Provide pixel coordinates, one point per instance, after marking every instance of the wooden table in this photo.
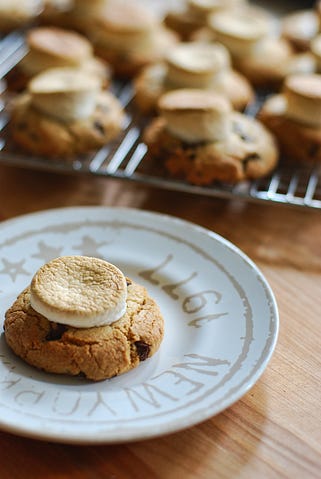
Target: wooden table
(275, 429)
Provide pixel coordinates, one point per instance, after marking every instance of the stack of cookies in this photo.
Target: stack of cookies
(224, 50)
(233, 148)
(63, 106)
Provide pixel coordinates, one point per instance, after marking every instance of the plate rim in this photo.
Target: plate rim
(171, 427)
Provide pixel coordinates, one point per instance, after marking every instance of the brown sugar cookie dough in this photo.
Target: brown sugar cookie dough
(199, 138)
(97, 352)
(294, 117)
(63, 114)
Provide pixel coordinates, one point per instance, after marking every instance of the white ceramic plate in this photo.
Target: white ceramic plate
(221, 326)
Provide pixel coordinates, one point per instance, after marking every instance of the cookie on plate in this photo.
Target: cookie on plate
(294, 117)
(192, 65)
(199, 138)
(64, 113)
(129, 36)
(81, 316)
(53, 47)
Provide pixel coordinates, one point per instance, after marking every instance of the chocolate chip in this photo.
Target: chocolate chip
(142, 350)
(56, 331)
(34, 136)
(191, 155)
(313, 150)
(128, 282)
(100, 127)
(248, 158)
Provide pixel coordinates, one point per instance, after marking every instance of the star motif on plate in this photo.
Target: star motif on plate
(89, 247)
(46, 253)
(13, 269)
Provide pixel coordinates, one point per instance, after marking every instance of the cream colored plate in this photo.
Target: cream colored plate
(221, 326)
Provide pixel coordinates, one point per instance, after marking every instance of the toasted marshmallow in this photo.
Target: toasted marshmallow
(273, 56)
(300, 27)
(300, 63)
(65, 93)
(196, 115)
(79, 291)
(23, 8)
(51, 47)
(98, 68)
(201, 8)
(195, 65)
(125, 26)
(239, 32)
(303, 99)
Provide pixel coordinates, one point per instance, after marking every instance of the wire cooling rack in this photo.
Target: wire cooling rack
(126, 158)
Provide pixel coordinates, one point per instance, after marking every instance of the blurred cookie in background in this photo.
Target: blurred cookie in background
(192, 65)
(51, 47)
(256, 49)
(294, 117)
(199, 138)
(130, 36)
(64, 112)
(18, 13)
(188, 17)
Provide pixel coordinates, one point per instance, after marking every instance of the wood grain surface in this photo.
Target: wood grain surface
(274, 431)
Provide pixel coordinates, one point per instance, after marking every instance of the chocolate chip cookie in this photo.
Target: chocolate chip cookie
(44, 135)
(96, 353)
